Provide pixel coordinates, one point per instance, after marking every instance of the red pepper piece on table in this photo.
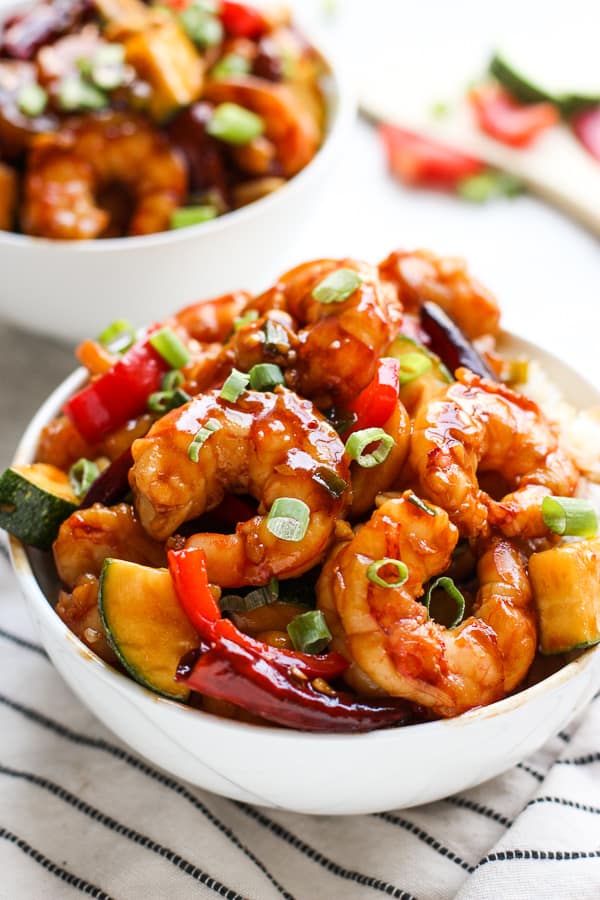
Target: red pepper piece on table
(190, 579)
(507, 120)
(229, 671)
(121, 394)
(420, 161)
(586, 126)
(240, 20)
(376, 403)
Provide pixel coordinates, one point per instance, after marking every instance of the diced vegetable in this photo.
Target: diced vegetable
(533, 73)
(420, 161)
(566, 588)
(34, 501)
(507, 120)
(145, 624)
(449, 342)
(376, 403)
(241, 20)
(586, 126)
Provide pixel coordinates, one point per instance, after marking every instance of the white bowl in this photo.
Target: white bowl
(339, 774)
(73, 289)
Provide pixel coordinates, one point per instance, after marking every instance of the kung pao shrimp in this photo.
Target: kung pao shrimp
(121, 117)
(329, 506)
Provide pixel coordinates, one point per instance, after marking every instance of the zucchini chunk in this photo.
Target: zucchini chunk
(145, 624)
(533, 74)
(34, 501)
(566, 589)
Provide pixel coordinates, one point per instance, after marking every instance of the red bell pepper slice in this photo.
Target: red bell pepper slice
(376, 403)
(241, 20)
(189, 573)
(507, 120)
(421, 161)
(119, 395)
(232, 672)
(586, 126)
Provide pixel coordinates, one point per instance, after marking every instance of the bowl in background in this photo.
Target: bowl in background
(340, 774)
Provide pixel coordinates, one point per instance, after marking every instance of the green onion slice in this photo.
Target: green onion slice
(170, 347)
(337, 286)
(489, 185)
(413, 365)
(420, 504)
(192, 215)
(201, 436)
(265, 376)
(172, 380)
(330, 480)
(248, 317)
(309, 632)
(358, 442)
(235, 384)
(570, 516)
(375, 567)
(81, 476)
(447, 585)
(231, 64)
(32, 99)
(165, 401)
(203, 28)
(288, 519)
(275, 337)
(234, 124)
(118, 336)
(261, 596)
(76, 94)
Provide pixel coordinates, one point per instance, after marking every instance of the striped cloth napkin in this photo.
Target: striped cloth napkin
(81, 814)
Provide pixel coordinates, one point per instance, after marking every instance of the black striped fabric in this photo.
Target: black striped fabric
(81, 814)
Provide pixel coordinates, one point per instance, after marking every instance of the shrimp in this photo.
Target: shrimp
(476, 424)
(91, 535)
(211, 321)
(270, 445)
(289, 124)
(389, 634)
(68, 172)
(335, 351)
(421, 275)
(368, 482)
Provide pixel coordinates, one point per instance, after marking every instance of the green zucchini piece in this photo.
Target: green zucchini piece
(34, 500)
(566, 588)
(538, 79)
(145, 624)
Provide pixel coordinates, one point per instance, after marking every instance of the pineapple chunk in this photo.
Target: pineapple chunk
(566, 588)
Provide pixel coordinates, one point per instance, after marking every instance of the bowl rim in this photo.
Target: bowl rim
(124, 683)
(340, 104)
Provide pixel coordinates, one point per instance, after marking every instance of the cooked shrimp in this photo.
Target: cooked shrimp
(289, 124)
(210, 321)
(66, 173)
(268, 445)
(389, 633)
(338, 344)
(91, 535)
(481, 425)
(368, 482)
(420, 275)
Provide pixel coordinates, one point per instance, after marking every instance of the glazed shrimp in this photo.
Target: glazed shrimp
(367, 483)
(211, 321)
(289, 124)
(481, 425)
(389, 634)
(337, 345)
(421, 275)
(268, 445)
(67, 171)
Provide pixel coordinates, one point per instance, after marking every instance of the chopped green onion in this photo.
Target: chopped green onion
(82, 474)
(447, 585)
(32, 99)
(203, 28)
(330, 480)
(570, 516)
(165, 401)
(262, 596)
(375, 567)
(413, 365)
(358, 442)
(265, 376)
(118, 336)
(275, 337)
(170, 347)
(192, 215)
(439, 109)
(337, 286)
(201, 436)
(76, 94)
(172, 380)
(420, 504)
(309, 632)
(232, 64)
(489, 185)
(235, 384)
(288, 519)
(248, 317)
(234, 124)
